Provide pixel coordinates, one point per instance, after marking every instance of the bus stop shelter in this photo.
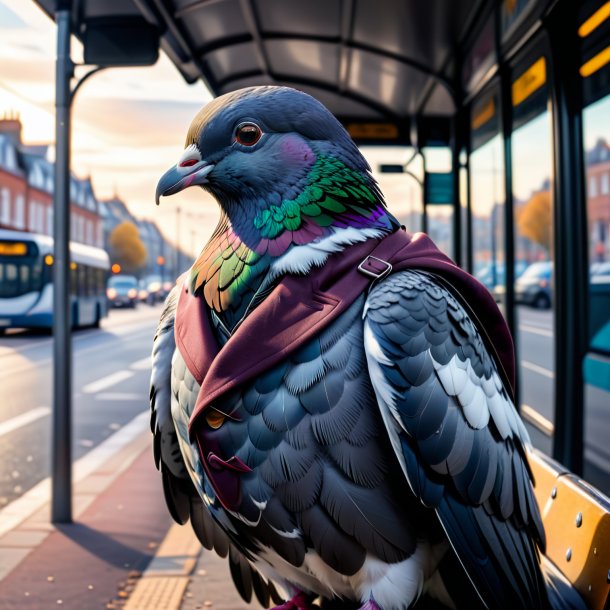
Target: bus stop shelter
(395, 72)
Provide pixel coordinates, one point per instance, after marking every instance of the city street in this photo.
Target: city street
(110, 381)
(111, 374)
(536, 348)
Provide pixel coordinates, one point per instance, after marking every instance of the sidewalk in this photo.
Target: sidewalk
(122, 551)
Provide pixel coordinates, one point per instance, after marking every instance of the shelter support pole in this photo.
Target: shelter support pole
(570, 231)
(61, 443)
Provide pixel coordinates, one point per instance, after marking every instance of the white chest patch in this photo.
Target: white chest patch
(393, 586)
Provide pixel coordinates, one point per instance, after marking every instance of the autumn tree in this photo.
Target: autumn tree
(535, 220)
(127, 248)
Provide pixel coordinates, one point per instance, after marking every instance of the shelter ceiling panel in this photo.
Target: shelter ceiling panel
(235, 59)
(439, 102)
(341, 105)
(318, 17)
(425, 32)
(249, 81)
(304, 59)
(386, 81)
(105, 8)
(210, 22)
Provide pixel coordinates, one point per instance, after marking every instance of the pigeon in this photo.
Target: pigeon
(331, 397)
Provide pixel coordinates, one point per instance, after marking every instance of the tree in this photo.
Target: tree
(535, 220)
(127, 248)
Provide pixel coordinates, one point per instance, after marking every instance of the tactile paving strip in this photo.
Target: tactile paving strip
(158, 593)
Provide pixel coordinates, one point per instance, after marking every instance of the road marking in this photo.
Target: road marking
(106, 382)
(23, 419)
(121, 396)
(105, 339)
(536, 330)
(537, 369)
(141, 365)
(26, 505)
(538, 421)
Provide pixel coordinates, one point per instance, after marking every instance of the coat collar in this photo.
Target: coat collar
(299, 307)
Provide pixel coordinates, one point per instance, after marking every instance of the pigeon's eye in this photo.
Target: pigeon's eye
(248, 134)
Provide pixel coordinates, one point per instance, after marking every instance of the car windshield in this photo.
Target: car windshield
(537, 270)
(122, 282)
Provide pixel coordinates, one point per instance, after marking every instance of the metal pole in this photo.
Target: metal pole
(570, 231)
(61, 444)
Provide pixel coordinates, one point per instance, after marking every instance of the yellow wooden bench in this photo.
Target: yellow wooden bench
(577, 521)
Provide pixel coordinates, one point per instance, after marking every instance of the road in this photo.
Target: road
(536, 344)
(111, 374)
(110, 384)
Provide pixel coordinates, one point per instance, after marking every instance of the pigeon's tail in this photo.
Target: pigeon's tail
(562, 595)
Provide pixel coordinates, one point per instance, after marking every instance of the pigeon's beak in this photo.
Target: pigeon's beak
(182, 176)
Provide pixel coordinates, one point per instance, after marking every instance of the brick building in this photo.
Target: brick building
(27, 185)
(598, 200)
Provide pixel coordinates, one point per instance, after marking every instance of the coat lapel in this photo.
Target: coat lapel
(300, 306)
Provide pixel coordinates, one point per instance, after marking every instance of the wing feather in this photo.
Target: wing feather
(456, 433)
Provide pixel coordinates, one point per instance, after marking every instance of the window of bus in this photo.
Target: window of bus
(594, 32)
(533, 211)
(487, 194)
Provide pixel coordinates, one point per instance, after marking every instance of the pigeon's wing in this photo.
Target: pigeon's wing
(456, 433)
(182, 499)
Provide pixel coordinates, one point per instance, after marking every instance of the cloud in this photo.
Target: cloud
(136, 122)
(38, 72)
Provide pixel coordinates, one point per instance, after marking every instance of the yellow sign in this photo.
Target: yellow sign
(529, 82)
(484, 114)
(596, 19)
(372, 131)
(595, 63)
(13, 248)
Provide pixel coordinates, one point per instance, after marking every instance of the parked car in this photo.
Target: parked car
(154, 286)
(143, 294)
(534, 287)
(600, 273)
(122, 291)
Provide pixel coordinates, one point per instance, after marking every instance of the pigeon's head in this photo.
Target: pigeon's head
(281, 166)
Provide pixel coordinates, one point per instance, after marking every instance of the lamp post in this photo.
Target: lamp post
(61, 450)
(161, 263)
(100, 53)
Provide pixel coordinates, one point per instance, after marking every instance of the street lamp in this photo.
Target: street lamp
(161, 263)
(105, 45)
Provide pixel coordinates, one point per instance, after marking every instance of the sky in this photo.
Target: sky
(128, 125)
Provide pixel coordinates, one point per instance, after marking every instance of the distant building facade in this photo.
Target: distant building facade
(27, 182)
(598, 200)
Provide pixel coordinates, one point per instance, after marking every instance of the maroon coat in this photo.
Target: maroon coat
(299, 307)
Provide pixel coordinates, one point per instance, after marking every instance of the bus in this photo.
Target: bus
(26, 282)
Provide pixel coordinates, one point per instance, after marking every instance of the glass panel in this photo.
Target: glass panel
(440, 227)
(596, 123)
(402, 191)
(464, 216)
(533, 220)
(487, 209)
(440, 216)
